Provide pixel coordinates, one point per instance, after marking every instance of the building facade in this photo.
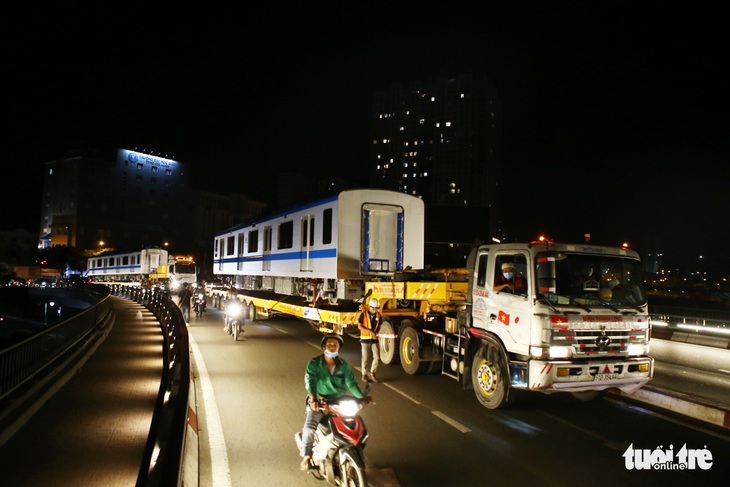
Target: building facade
(126, 200)
(440, 139)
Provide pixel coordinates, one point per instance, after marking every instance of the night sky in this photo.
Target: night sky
(615, 113)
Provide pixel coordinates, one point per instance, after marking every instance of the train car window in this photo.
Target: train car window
(230, 246)
(125, 260)
(286, 235)
(241, 247)
(327, 226)
(253, 241)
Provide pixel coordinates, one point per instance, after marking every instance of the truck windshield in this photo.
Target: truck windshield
(592, 280)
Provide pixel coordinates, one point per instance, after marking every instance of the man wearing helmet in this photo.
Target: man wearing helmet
(327, 375)
(369, 324)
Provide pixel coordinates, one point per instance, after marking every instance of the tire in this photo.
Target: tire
(235, 327)
(353, 475)
(410, 350)
(490, 375)
(388, 346)
(587, 396)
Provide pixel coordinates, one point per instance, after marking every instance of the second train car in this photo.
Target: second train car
(325, 249)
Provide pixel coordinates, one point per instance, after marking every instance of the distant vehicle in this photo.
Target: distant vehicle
(44, 282)
(181, 269)
(126, 267)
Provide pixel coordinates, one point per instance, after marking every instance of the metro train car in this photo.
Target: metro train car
(126, 266)
(325, 249)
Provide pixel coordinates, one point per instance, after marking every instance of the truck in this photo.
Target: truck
(577, 322)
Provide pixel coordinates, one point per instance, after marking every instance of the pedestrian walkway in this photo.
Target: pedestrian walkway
(94, 429)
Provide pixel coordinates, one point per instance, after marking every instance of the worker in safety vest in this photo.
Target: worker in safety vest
(369, 324)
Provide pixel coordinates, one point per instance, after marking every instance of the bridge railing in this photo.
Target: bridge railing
(163, 461)
(30, 363)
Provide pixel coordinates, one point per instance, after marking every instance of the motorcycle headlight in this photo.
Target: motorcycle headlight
(234, 310)
(347, 407)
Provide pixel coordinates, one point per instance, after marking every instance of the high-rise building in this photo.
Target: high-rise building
(439, 139)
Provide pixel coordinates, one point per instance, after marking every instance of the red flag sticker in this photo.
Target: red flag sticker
(503, 318)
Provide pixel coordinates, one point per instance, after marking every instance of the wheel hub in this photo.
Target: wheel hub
(486, 378)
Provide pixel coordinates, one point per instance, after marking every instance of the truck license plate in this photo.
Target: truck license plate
(605, 376)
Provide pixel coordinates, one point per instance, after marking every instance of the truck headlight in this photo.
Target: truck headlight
(551, 352)
(637, 349)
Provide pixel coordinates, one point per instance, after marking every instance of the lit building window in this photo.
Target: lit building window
(448, 124)
(438, 124)
(462, 95)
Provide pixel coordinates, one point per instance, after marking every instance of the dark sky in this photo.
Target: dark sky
(615, 113)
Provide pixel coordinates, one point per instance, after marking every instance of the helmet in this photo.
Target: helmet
(374, 303)
(331, 335)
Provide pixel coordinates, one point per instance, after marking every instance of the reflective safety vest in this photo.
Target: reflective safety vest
(371, 322)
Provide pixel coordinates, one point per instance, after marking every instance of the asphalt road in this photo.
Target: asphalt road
(424, 430)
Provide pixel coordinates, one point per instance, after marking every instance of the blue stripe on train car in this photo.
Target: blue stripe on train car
(117, 268)
(314, 254)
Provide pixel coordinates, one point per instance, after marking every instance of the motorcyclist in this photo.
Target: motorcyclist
(199, 300)
(327, 376)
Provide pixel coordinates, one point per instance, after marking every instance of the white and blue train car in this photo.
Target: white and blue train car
(126, 266)
(327, 248)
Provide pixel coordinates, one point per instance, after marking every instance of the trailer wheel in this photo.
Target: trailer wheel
(410, 351)
(388, 346)
(490, 375)
(250, 313)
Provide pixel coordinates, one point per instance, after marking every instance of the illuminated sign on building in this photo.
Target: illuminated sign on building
(142, 158)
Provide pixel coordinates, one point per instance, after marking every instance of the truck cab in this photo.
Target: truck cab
(572, 318)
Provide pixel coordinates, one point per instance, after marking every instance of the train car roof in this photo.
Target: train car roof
(301, 205)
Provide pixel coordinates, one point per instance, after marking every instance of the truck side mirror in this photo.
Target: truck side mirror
(546, 278)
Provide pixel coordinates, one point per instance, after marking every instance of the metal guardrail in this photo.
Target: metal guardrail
(162, 462)
(702, 321)
(22, 363)
(28, 367)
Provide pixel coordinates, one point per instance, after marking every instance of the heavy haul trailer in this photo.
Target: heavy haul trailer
(579, 323)
(264, 304)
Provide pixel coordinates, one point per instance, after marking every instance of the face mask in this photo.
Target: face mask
(331, 354)
(508, 275)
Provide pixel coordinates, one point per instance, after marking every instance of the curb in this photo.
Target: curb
(676, 402)
(692, 338)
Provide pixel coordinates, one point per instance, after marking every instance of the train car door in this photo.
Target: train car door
(382, 238)
(307, 233)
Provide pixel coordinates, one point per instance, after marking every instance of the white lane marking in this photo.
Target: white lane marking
(402, 393)
(221, 471)
(451, 422)
(725, 371)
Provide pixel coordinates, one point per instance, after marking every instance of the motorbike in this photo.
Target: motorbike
(234, 319)
(199, 304)
(339, 440)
